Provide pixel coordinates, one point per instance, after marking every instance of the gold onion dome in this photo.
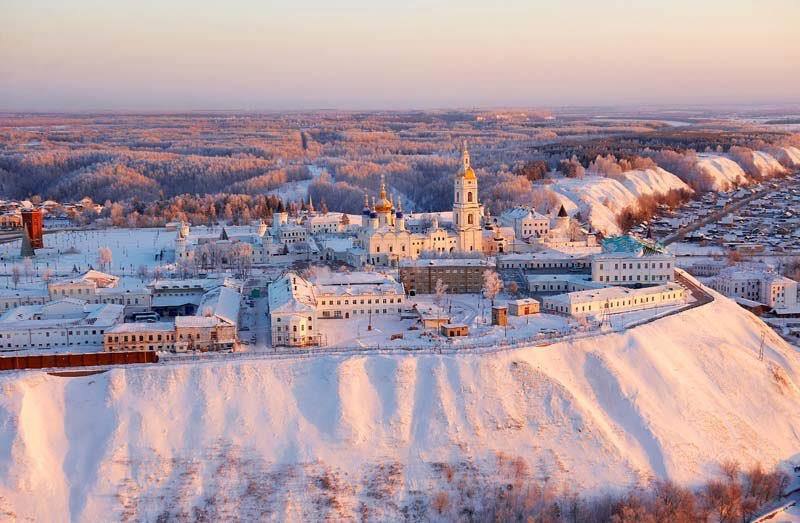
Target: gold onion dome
(466, 169)
(383, 205)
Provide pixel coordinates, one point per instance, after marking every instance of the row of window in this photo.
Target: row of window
(639, 277)
(46, 345)
(639, 265)
(356, 302)
(133, 337)
(47, 333)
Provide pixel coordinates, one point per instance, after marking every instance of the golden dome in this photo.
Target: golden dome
(466, 169)
(383, 205)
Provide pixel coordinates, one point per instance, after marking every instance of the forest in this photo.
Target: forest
(203, 167)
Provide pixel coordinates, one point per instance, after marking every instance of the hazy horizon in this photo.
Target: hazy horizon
(182, 56)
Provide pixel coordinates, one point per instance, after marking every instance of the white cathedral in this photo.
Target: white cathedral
(385, 237)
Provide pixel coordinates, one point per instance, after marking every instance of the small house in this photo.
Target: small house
(453, 330)
(524, 307)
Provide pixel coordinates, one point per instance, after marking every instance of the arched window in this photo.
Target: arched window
(456, 197)
(469, 197)
(469, 218)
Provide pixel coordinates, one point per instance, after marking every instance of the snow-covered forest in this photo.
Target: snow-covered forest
(205, 167)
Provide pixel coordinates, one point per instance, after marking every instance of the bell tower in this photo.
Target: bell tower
(466, 209)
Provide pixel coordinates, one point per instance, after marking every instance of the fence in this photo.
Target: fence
(89, 359)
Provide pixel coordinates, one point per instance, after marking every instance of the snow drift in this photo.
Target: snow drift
(334, 436)
(600, 199)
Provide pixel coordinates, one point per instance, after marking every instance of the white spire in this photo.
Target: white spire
(465, 156)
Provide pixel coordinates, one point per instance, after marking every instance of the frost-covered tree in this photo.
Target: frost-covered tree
(439, 291)
(104, 258)
(492, 285)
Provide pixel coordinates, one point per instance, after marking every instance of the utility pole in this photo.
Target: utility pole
(761, 347)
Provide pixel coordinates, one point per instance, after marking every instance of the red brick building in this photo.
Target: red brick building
(32, 221)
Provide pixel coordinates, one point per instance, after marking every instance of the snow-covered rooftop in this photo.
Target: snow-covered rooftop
(611, 293)
(444, 262)
(159, 326)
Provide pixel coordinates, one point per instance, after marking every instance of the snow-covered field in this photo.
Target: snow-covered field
(335, 436)
(600, 199)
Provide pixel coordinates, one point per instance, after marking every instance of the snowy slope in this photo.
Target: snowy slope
(792, 154)
(312, 438)
(723, 171)
(600, 199)
(767, 165)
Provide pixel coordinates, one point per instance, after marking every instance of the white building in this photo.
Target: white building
(611, 300)
(351, 295)
(182, 297)
(628, 261)
(526, 222)
(67, 323)
(546, 261)
(12, 298)
(297, 305)
(222, 250)
(99, 287)
(293, 312)
(758, 284)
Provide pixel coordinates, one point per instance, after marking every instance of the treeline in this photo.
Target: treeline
(238, 209)
(647, 206)
(150, 158)
(123, 175)
(736, 495)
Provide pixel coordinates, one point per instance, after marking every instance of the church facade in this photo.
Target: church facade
(385, 238)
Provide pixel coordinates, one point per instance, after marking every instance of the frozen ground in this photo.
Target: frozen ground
(339, 437)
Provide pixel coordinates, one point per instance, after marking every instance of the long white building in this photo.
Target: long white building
(628, 261)
(67, 323)
(612, 300)
(98, 287)
(759, 284)
(297, 305)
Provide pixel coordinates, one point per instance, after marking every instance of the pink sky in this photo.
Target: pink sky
(182, 55)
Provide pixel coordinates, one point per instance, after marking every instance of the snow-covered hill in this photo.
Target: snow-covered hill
(790, 154)
(340, 436)
(767, 165)
(722, 172)
(600, 199)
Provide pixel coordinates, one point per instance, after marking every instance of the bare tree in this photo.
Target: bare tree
(27, 267)
(185, 268)
(15, 275)
(512, 288)
(142, 272)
